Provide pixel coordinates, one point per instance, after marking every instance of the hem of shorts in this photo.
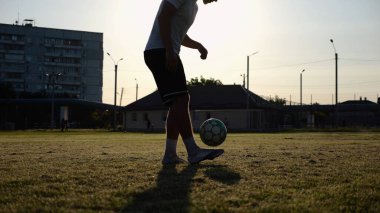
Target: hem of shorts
(176, 93)
(167, 102)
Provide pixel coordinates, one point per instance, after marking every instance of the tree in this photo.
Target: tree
(202, 81)
(277, 100)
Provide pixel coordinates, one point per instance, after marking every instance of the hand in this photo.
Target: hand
(203, 51)
(171, 61)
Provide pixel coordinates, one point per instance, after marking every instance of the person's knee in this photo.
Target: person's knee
(185, 99)
(181, 101)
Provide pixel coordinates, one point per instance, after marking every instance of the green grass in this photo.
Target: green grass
(121, 172)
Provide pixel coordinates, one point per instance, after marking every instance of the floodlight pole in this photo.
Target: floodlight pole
(336, 117)
(114, 105)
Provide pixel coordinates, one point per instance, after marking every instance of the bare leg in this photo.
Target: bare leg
(182, 116)
(172, 134)
(179, 123)
(180, 111)
(172, 131)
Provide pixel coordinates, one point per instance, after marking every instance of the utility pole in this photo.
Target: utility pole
(137, 89)
(121, 96)
(243, 75)
(311, 99)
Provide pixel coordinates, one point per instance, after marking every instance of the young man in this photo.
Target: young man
(161, 55)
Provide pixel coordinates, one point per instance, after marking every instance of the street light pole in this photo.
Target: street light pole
(248, 114)
(301, 86)
(248, 68)
(336, 117)
(52, 79)
(114, 105)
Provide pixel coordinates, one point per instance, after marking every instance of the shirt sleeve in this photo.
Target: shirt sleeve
(176, 3)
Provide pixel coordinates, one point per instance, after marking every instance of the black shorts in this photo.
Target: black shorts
(169, 84)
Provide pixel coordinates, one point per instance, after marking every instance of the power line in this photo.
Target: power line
(294, 65)
(321, 85)
(362, 60)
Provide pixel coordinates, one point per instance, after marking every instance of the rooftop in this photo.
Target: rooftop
(206, 97)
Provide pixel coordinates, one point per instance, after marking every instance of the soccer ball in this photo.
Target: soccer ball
(213, 132)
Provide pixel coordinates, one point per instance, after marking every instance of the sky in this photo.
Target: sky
(289, 36)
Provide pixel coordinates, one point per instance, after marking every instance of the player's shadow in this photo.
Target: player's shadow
(222, 174)
(170, 195)
(172, 192)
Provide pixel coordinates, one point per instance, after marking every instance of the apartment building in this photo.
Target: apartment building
(35, 59)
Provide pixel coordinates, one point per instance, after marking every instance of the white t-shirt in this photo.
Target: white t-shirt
(180, 24)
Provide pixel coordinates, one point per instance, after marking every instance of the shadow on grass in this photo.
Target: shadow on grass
(172, 193)
(223, 174)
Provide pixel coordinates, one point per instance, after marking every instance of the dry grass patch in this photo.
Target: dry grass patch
(113, 172)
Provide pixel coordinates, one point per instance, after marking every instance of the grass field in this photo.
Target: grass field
(121, 172)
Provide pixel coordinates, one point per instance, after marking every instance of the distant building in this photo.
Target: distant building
(229, 104)
(21, 114)
(30, 57)
(238, 108)
(352, 113)
(359, 113)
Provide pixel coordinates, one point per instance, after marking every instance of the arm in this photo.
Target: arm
(190, 43)
(164, 19)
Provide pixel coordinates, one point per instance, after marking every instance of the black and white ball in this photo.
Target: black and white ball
(213, 132)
